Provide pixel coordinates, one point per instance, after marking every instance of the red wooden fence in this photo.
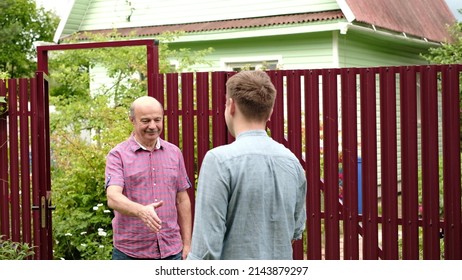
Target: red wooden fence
(388, 117)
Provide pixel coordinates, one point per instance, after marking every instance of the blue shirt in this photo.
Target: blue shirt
(250, 201)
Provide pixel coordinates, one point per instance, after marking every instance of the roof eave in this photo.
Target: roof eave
(392, 35)
(258, 32)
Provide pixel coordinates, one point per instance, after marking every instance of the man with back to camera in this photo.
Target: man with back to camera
(250, 201)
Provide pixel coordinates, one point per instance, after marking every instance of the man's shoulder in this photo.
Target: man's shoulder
(168, 145)
(222, 150)
(124, 145)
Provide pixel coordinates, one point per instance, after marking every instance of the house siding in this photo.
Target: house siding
(359, 50)
(295, 51)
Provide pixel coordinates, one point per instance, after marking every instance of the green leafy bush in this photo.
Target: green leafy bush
(10, 250)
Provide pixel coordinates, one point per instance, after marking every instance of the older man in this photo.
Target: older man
(146, 185)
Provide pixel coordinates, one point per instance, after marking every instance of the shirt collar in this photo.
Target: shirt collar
(136, 145)
(259, 132)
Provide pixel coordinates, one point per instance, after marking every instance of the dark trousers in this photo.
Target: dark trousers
(119, 255)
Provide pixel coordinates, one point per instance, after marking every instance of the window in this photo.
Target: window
(255, 63)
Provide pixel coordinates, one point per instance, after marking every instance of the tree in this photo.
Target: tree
(450, 53)
(22, 24)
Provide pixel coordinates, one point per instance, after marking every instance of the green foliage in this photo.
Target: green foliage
(126, 66)
(4, 75)
(440, 187)
(10, 250)
(84, 127)
(3, 103)
(82, 133)
(450, 53)
(22, 24)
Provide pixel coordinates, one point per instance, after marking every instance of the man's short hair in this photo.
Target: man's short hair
(253, 92)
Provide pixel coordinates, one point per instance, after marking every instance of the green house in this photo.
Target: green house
(282, 34)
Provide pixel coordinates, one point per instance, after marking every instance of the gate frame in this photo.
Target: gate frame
(41, 132)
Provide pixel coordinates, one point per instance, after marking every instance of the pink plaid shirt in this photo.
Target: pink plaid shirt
(146, 177)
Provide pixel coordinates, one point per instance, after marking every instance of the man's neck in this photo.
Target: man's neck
(147, 146)
(243, 127)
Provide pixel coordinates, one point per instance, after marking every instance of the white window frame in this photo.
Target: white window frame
(226, 64)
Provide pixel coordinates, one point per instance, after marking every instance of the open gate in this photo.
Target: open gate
(25, 209)
(25, 183)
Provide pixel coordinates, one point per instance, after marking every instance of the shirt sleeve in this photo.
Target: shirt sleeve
(183, 179)
(211, 210)
(300, 214)
(114, 170)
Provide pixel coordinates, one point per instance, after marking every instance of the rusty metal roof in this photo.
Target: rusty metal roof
(421, 18)
(227, 24)
(425, 19)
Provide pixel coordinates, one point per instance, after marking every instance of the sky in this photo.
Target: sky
(59, 6)
(455, 5)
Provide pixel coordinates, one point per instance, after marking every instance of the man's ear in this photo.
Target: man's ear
(232, 106)
(270, 114)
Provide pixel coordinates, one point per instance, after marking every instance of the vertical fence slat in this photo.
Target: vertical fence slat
(42, 169)
(14, 162)
(430, 180)
(187, 105)
(295, 133)
(203, 122)
(4, 181)
(160, 95)
(294, 112)
(218, 108)
(172, 113)
(389, 162)
(369, 163)
(159, 89)
(349, 164)
(154, 84)
(331, 190)
(312, 165)
(276, 123)
(25, 157)
(203, 117)
(47, 171)
(35, 169)
(409, 163)
(451, 163)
